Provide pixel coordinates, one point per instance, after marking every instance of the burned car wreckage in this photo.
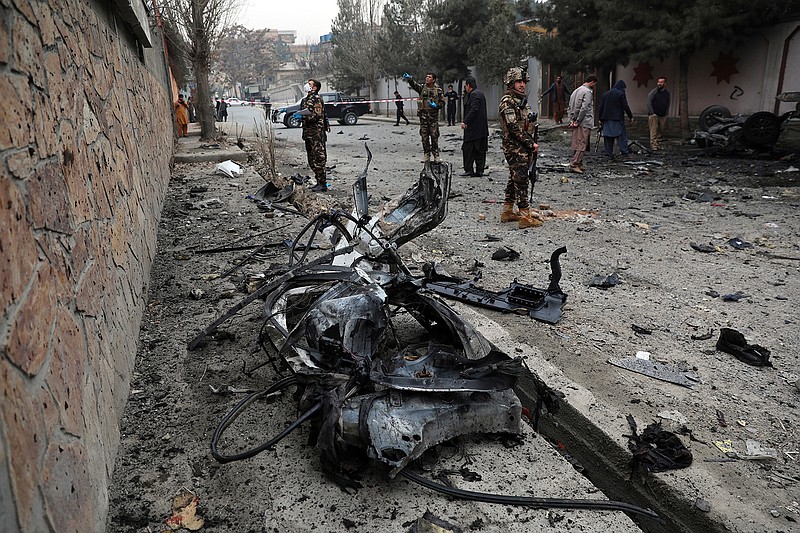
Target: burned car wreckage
(720, 131)
(382, 367)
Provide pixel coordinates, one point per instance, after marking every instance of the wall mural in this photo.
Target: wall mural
(644, 73)
(724, 67)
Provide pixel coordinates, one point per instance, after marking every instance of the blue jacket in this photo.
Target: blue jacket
(553, 92)
(614, 105)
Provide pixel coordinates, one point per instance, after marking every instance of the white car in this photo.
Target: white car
(236, 101)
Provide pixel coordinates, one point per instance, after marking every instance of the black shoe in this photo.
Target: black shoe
(397, 124)
(466, 174)
(734, 343)
(319, 187)
(477, 175)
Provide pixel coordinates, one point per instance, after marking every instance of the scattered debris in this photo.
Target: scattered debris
(739, 244)
(657, 450)
(640, 330)
(229, 168)
(705, 248)
(504, 253)
(541, 304)
(604, 282)
(429, 523)
(733, 342)
(677, 421)
(653, 369)
(726, 447)
(702, 505)
(196, 294)
(757, 452)
(700, 196)
(733, 296)
(704, 336)
(184, 512)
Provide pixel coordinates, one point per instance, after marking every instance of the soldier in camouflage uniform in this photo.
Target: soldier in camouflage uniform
(315, 128)
(431, 100)
(517, 123)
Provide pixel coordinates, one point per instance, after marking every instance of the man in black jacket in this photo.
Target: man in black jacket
(613, 108)
(657, 109)
(476, 130)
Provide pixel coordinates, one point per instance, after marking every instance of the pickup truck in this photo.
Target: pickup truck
(345, 109)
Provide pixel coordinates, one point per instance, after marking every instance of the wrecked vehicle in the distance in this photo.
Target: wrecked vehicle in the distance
(720, 131)
(383, 368)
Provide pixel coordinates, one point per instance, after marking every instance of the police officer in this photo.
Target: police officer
(315, 128)
(517, 123)
(431, 100)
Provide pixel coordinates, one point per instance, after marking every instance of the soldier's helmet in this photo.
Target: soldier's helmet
(516, 74)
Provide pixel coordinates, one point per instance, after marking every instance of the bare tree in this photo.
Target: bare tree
(355, 44)
(202, 23)
(245, 56)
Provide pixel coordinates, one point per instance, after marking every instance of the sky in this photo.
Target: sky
(309, 18)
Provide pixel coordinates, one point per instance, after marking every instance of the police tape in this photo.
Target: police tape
(386, 100)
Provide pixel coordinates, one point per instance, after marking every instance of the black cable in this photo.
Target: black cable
(234, 413)
(527, 501)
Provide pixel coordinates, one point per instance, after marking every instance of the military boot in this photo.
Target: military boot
(508, 214)
(321, 185)
(436, 158)
(427, 158)
(529, 218)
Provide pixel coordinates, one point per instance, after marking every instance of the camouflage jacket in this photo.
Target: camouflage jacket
(316, 122)
(516, 125)
(427, 95)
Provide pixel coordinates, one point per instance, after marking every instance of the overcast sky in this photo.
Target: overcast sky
(309, 18)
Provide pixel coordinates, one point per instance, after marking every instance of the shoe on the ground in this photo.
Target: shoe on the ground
(319, 187)
(508, 214)
(477, 174)
(734, 343)
(529, 218)
(576, 170)
(467, 174)
(397, 124)
(426, 158)
(437, 159)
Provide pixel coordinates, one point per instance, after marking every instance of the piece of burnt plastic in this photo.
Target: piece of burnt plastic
(540, 304)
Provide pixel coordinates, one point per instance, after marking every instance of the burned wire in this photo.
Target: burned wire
(527, 501)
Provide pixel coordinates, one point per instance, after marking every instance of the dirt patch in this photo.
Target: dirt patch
(636, 219)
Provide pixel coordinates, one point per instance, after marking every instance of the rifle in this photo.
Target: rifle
(599, 134)
(532, 173)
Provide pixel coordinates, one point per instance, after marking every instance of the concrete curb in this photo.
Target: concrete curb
(189, 149)
(596, 438)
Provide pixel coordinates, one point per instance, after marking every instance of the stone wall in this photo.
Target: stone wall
(86, 140)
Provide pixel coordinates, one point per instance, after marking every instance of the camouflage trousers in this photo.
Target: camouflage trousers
(517, 186)
(317, 156)
(429, 131)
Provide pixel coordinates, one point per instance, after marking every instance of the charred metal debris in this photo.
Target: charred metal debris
(383, 369)
(722, 132)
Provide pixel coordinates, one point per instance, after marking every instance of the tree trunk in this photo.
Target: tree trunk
(205, 106)
(200, 55)
(683, 93)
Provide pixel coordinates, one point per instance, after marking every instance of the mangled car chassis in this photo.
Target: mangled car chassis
(379, 363)
(720, 131)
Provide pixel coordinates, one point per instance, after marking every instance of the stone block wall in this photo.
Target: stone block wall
(86, 141)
